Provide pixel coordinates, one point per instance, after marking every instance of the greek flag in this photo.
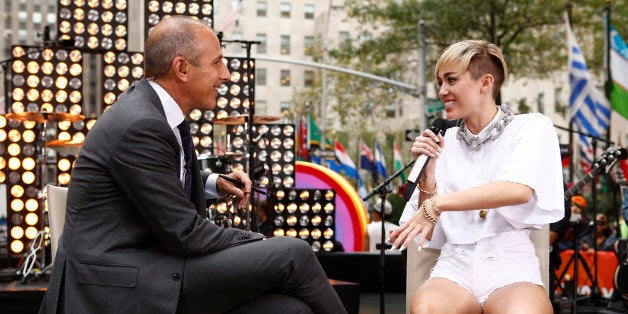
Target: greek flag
(588, 108)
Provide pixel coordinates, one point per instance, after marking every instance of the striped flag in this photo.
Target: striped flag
(619, 73)
(346, 164)
(380, 161)
(588, 108)
(367, 161)
(397, 162)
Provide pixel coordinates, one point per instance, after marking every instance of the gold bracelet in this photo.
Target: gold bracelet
(426, 192)
(434, 207)
(427, 215)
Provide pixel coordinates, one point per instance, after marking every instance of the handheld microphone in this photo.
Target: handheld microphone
(439, 125)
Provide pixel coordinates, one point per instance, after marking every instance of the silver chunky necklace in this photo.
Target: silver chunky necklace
(474, 143)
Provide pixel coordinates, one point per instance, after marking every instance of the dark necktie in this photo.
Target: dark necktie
(188, 150)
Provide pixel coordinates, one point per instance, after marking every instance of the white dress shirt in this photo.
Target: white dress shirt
(175, 116)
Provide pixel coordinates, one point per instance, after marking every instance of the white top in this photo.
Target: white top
(374, 230)
(527, 152)
(175, 116)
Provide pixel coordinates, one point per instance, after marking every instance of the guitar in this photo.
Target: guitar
(603, 165)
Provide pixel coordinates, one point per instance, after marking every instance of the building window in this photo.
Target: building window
(308, 78)
(261, 47)
(285, 78)
(366, 36)
(284, 9)
(235, 36)
(284, 108)
(308, 45)
(344, 39)
(309, 11)
(260, 77)
(261, 107)
(261, 8)
(540, 99)
(285, 44)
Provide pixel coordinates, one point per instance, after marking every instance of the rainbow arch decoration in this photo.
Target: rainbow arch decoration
(351, 218)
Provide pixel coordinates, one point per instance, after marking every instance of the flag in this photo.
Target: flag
(619, 73)
(233, 16)
(367, 160)
(397, 162)
(346, 164)
(302, 152)
(588, 108)
(314, 134)
(380, 161)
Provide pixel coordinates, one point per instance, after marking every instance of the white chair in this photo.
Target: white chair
(420, 264)
(56, 202)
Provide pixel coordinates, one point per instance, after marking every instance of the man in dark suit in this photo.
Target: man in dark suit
(135, 241)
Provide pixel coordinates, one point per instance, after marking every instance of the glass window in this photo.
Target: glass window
(308, 45)
(261, 107)
(284, 9)
(343, 38)
(285, 44)
(234, 47)
(309, 11)
(284, 108)
(261, 47)
(540, 100)
(261, 8)
(260, 77)
(308, 78)
(285, 78)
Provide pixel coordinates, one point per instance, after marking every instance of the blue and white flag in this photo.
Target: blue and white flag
(588, 108)
(346, 164)
(380, 161)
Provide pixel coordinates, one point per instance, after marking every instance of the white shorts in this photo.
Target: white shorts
(490, 264)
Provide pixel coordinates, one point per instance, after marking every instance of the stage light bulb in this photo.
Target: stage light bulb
(17, 246)
(15, 135)
(28, 177)
(291, 233)
(46, 107)
(64, 136)
(17, 191)
(107, 17)
(14, 149)
(14, 163)
(17, 205)
(31, 205)
(78, 137)
(63, 164)
(64, 178)
(31, 219)
(31, 232)
(76, 69)
(28, 163)
(316, 220)
(17, 232)
(278, 233)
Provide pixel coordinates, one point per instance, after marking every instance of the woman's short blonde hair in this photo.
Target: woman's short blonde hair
(479, 57)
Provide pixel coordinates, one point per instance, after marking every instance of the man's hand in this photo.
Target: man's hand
(241, 192)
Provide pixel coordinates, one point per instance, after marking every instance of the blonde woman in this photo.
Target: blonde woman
(490, 181)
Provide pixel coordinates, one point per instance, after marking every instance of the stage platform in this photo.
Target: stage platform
(353, 274)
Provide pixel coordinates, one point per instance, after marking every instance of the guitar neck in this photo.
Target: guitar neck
(582, 182)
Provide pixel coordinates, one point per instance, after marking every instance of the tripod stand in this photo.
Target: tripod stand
(576, 259)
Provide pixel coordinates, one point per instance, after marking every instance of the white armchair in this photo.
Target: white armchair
(56, 202)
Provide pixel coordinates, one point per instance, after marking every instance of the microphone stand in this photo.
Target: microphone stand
(383, 190)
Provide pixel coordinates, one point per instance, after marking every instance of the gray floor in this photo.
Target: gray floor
(394, 303)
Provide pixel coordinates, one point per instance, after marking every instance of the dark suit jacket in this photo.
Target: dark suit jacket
(129, 227)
